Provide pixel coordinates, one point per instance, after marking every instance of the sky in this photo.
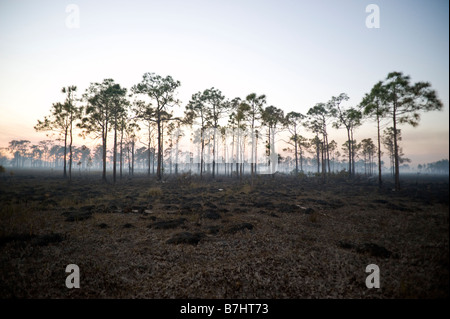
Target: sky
(297, 53)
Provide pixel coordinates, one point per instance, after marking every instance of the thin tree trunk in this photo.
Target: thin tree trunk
(256, 154)
(324, 167)
(214, 155)
(129, 159)
(225, 149)
(115, 152)
(70, 150)
(252, 158)
(104, 160)
(301, 157)
(202, 138)
(65, 151)
(237, 152)
(296, 155)
(396, 159)
(349, 152)
(230, 156)
(104, 136)
(318, 155)
(158, 169)
(328, 154)
(132, 157)
(162, 149)
(176, 157)
(379, 152)
(149, 158)
(153, 154)
(121, 151)
(353, 153)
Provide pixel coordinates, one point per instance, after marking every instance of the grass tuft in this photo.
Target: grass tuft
(155, 192)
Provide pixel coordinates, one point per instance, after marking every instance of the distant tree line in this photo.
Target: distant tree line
(226, 136)
(84, 159)
(439, 167)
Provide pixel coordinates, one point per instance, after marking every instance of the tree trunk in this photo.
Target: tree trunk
(325, 140)
(129, 159)
(328, 155)
(170, 160)
(176, 158)
(162, 149)
(324, 166)
(149, 159)
(115, 153)
(104, 160)
(379, 152)
(158, 169)
(70, 149)
(237, 152)
(256, 154)
(349, 152)
(353, 152)
(396, 159)
(301, 157)
(318, 155)
(65, 151)
(202, 138)
(121, 152)
(232, 156)
(214, 155)
(252, 158)
(296, 155)
(104, 139)
(132, 158)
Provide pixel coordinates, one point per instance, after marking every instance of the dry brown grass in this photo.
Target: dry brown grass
(287, 254)
(155, 192)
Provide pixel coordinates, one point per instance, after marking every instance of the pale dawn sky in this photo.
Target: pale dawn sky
(297, 53)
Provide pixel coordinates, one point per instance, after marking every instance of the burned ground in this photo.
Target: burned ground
(280, 237)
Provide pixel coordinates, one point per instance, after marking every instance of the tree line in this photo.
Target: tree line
(234, 127)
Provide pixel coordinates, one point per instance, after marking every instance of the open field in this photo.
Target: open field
(281, 237)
